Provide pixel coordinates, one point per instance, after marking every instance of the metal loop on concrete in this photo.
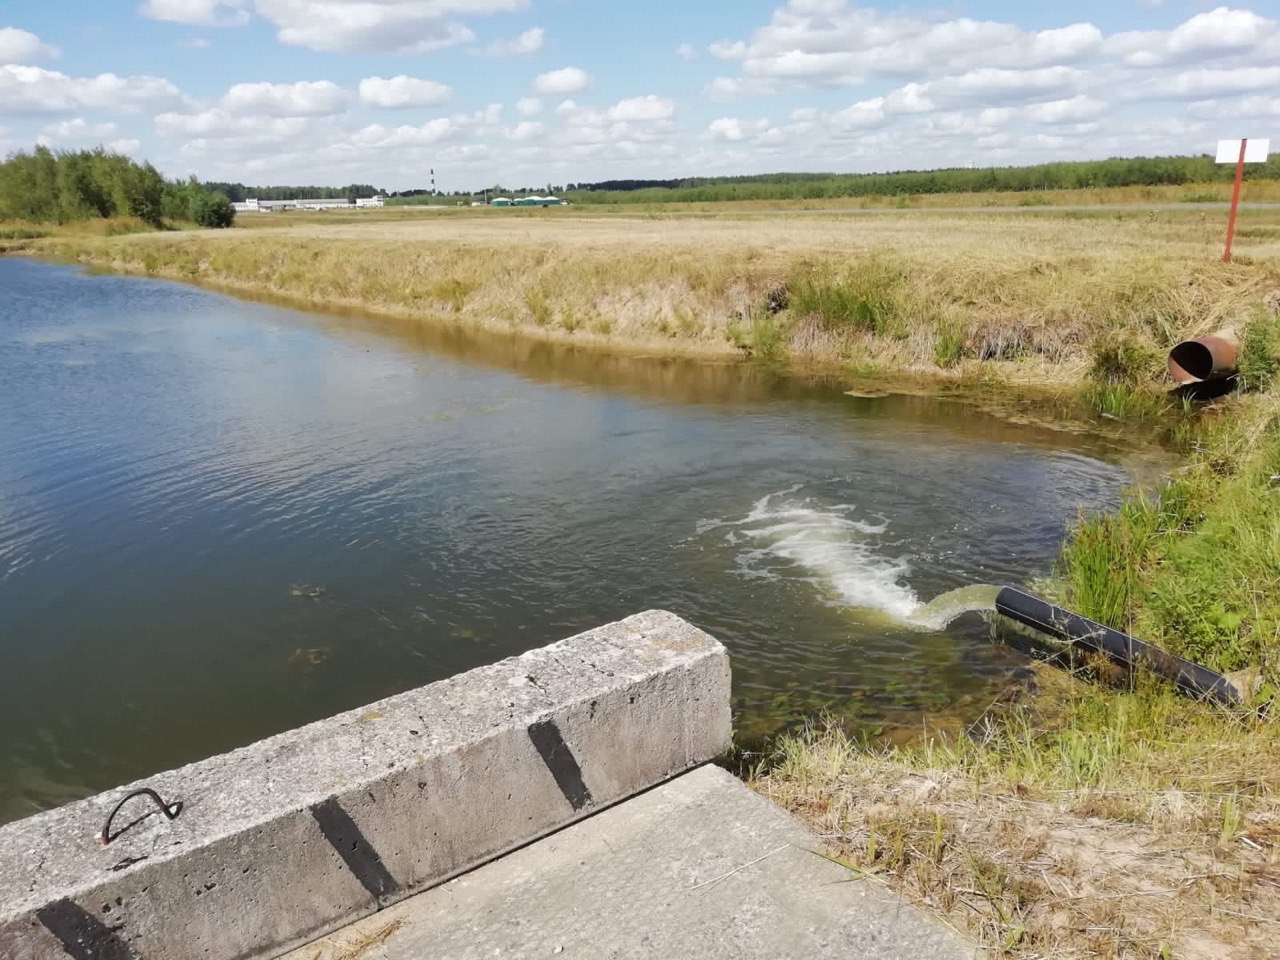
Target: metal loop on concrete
(170, 810)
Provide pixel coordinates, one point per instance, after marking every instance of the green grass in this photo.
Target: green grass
(1101, 568)
(860, 296)
(950, 348)
(1124, 402)
(23, 233)
(1260, 350)
(1195, 568)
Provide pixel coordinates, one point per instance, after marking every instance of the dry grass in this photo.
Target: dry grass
(1125, 825)
(1026, 297)
(354, 942)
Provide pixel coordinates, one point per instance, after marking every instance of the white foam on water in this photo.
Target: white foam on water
(837, 554)
(835, 551)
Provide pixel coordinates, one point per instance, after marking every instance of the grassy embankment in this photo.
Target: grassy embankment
(1096, 820)
(20, 236)
(1086, 821)
(1041, 297)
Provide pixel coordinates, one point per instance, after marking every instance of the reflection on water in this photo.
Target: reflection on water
(221, 519)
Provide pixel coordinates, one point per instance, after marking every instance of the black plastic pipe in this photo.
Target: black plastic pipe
(1190, 677)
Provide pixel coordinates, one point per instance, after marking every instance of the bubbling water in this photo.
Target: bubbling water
(838, 555)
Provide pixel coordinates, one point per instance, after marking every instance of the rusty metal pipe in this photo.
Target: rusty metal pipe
(1205, 358)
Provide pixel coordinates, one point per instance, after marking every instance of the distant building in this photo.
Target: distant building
(501, 202)
(323, 204)
(266, 206)
(537, 202)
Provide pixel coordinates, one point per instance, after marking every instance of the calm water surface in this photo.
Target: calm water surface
(221, 519)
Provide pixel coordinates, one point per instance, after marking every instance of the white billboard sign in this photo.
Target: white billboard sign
(1255, 151)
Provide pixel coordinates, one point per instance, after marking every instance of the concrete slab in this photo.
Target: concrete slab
(698, 867)
(284, 840)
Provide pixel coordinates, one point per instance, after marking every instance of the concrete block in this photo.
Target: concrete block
(286, 839)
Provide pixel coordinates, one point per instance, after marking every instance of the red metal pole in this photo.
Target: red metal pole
(1235, 202)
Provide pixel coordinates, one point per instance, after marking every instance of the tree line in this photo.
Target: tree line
(67, 186)
(1064, 175)
(1067, 175)
(237, 192)
(44, 186)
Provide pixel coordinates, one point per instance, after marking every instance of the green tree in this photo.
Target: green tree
(212, 210)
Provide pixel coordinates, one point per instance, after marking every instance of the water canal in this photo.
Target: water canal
(220, 519)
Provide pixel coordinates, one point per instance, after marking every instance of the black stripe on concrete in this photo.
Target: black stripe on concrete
(81, 934)
(341, 831)
(560, 761)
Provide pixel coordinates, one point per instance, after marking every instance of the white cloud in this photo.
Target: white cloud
(727, 50)
(726, 128)
(1261, 107)
(530, 41)
(820, 42)
(986, 86)
(723, 88)
(861, 115)
(306, 98)
(686, 52)
(526, 130)
(381, 26)
(217, 123)
(991, 84)
(35, 90)
(1073, 110)
(400, 92)
(1206, 35)
(78, 130)
(202, 13)
(382, 137)
(645, 108)
(196, 43)
(559, 82)
(529, 106)
(960, 85)
(126, 146)
(21, 46)
(1220, 29)
(1204, 83)
(433, 131)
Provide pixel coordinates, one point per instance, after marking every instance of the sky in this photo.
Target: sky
(529, 92)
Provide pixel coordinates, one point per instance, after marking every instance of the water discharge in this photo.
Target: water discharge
(835, 549)
(939, 612)
(839, 556)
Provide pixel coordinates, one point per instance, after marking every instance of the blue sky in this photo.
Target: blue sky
(537, 91)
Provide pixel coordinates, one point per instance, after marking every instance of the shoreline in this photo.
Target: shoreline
(1051, 304)
(993, 389)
